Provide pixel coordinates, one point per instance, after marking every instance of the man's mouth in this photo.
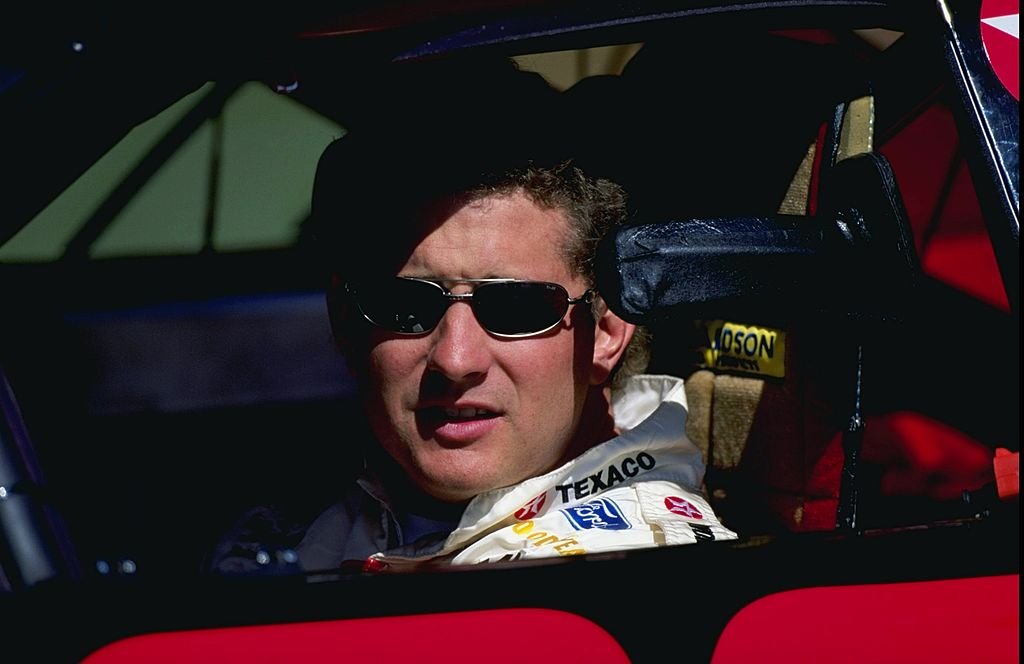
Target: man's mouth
(466, 413)
(458, 425)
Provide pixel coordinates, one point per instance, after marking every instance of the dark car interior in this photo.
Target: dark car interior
(164, 395)
(823, 241)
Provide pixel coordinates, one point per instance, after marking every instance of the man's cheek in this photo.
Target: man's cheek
(383, 364)
(392, 383)
(550, 386)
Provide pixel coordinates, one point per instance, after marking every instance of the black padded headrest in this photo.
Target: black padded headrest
(855, 258)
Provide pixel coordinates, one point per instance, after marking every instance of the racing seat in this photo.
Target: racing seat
(774, 445)
(761, 310)
(782, 446)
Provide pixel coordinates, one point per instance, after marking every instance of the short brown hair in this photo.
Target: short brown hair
(459, 130)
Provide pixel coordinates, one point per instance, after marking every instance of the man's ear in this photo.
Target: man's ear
(611, 337)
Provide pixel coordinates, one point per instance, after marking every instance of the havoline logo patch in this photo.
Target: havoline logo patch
(748, 349)
(600, 513)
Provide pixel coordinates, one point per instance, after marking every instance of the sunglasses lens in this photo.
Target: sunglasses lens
(519, 307)
(402, 305)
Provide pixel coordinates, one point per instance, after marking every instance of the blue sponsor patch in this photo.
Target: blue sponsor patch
(598, 513)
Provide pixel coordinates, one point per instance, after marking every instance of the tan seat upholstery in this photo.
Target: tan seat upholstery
(773, 446)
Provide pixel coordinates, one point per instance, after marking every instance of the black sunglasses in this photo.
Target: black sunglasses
(504, 307)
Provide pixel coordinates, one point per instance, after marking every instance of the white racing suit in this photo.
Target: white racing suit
(640, 489)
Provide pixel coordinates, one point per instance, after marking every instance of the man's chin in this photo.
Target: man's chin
(453, 495)
(457, 488)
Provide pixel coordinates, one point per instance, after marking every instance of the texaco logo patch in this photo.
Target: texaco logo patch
(682, 507)
(532, 508)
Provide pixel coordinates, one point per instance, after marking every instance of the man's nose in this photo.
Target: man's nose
(461, 348)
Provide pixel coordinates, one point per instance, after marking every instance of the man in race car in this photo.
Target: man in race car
(506, 415)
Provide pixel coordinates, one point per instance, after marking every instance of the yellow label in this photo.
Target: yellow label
(760, 351)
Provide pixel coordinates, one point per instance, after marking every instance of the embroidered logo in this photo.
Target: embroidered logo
(606, 478)
(532, 508)
(683, 507)
(600, 513)
(746, 349)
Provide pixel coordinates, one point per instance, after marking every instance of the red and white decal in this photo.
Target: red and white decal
(532, 508)
(683, 507)
(1000, 33)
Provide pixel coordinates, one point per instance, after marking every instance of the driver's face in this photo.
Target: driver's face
(463, 411)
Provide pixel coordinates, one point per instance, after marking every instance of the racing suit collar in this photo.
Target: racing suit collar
(651, 412)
